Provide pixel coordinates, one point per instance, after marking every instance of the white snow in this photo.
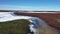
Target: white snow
(8, 16)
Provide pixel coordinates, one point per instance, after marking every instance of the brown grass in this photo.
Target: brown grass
(52, 19)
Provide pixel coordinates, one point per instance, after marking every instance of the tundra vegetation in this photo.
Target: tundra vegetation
(14, 27)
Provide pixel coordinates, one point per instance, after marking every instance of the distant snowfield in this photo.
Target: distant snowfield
(8, 16)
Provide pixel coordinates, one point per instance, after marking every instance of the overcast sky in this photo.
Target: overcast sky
(30, 5)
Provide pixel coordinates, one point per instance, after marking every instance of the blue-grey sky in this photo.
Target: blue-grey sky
(30, 5)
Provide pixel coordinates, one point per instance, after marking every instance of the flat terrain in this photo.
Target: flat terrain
(52, 18)
(14, 27)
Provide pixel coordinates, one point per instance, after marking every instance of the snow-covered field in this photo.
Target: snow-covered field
(8, 16)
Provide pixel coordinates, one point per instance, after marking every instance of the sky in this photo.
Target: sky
(50, 5)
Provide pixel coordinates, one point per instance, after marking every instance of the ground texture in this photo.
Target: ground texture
(14, 27)
(53, 19)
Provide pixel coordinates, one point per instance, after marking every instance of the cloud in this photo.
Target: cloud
(15, 7)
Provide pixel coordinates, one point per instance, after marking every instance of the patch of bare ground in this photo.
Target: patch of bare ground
(53, 19)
